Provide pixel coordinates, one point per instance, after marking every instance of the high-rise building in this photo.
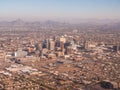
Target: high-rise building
(116, 48)
(86, 45)
(47, 43)
(62, 46)
(51, 44)
(40, 46)
(62, 39)
(69, 50)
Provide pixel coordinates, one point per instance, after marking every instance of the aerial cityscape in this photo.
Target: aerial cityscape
(59, 45)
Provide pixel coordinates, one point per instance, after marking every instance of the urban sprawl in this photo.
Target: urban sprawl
(59, 56)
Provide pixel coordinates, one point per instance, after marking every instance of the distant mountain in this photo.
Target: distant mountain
(20, 22)
(17, 22)
(49, 24)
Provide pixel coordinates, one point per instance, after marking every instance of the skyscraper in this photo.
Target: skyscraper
(51, 44)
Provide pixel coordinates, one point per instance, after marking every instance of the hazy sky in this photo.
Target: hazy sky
(66, 9)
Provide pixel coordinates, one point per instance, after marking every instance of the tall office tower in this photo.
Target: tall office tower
(45, 44)
(69, 50)
(62, 42)
(37, 46)
(51, 44)
(40, 46)
(62, 46)
(72, 43)
(118, 48)
(57, 44)
(62, 39)
(86, 45)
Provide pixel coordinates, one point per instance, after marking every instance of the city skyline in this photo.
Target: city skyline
(59, 10)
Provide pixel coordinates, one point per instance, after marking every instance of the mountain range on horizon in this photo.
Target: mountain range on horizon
(73, 21)
(100, 24)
